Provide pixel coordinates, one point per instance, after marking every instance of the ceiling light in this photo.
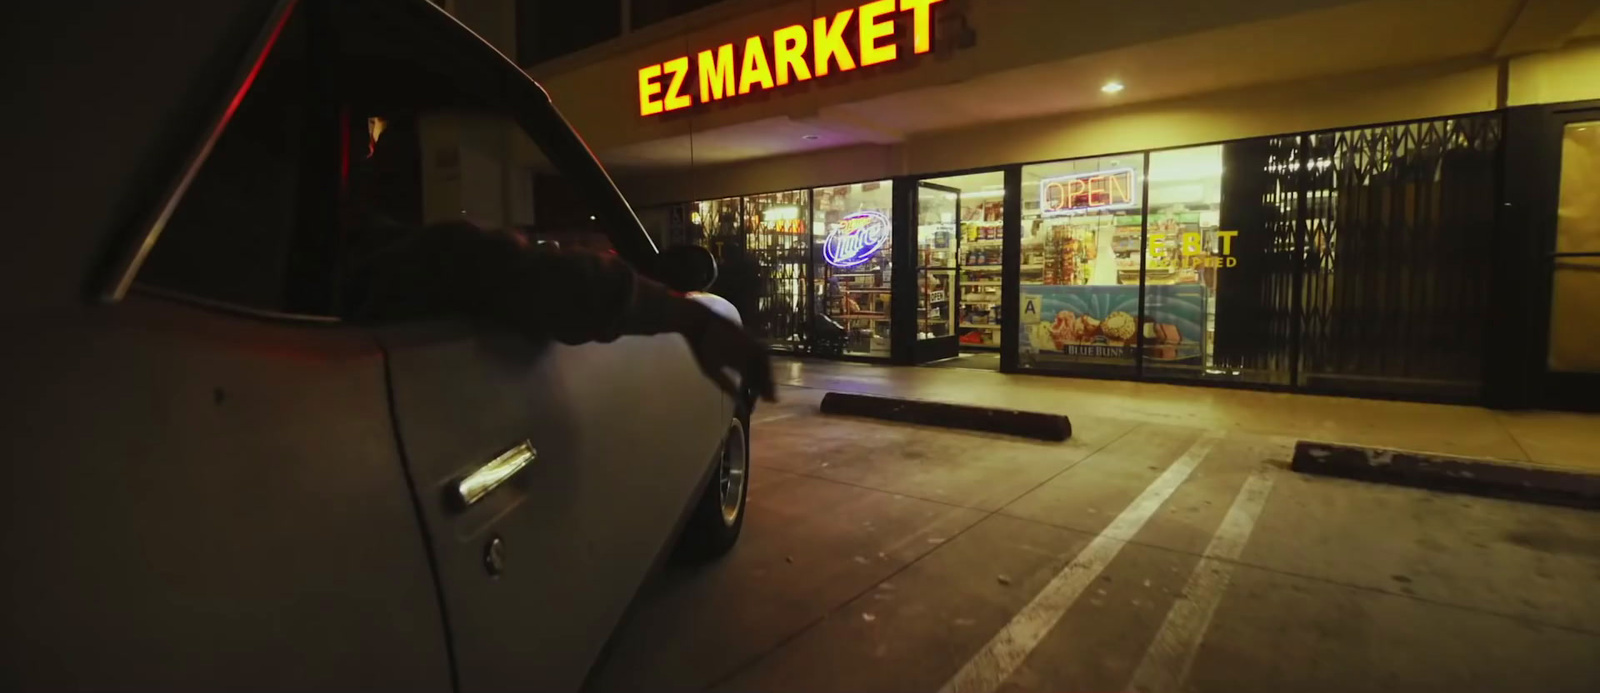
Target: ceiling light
(811, 138)
(1112, 87)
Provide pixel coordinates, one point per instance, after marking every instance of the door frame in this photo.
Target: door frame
(949, 346)
(1532, 188)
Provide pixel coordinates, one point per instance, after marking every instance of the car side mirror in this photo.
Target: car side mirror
(686, 268)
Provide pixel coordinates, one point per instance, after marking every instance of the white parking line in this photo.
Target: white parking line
(1166, 664)
(774, 417)
(995, 663)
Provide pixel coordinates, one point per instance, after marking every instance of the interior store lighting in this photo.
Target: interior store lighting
(781, 213)
(1112, 87)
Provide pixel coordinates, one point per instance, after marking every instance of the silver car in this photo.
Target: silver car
(216, 482)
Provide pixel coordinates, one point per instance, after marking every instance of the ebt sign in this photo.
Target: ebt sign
(856, 37)
(856, 238)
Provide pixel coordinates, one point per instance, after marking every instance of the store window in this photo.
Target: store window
(774, 264)
(1189, 255)
(851, 269)
(1081, 246)
(717, 223)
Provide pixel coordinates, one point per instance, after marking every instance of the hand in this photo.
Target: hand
(719, 346)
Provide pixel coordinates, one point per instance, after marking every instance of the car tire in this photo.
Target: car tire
(718, 517)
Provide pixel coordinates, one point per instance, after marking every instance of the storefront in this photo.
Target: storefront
(1354, 261)
(953, 184)
(812, 270)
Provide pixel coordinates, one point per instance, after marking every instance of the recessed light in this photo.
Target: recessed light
(811, 138)
(1112, 87)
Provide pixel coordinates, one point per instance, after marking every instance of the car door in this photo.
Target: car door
(551, 477)
(621, 436)
(203, 488)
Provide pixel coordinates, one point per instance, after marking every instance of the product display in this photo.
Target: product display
(851, 263)
(775, 239)
(982, 243)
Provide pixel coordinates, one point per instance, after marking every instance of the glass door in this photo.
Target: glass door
(1572, 356)
(937, 214)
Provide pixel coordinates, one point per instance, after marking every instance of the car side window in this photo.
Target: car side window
(349, 140)
(232, 237)
(422, 153)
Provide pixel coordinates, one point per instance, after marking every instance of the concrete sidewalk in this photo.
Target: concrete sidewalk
(1554, 440)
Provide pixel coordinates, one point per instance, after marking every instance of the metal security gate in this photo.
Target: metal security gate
(1396, 238)
(1370, 275)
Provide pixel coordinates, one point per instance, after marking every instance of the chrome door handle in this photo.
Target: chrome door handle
(474, 486)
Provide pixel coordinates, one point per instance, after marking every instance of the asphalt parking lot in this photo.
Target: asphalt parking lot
(1136, 556)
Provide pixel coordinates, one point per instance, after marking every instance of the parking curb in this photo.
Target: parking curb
(1025, 424)
(1470, 475)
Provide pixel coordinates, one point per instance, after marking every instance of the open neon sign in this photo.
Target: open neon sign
(1086, 192)
(856, 239)
(798, 54)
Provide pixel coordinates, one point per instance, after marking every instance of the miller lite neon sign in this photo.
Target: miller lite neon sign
(856, 239)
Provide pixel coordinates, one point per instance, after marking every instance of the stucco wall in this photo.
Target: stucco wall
(1441, 89)
(1570, 74)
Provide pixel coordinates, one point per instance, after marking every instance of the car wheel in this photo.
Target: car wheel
(719, 517)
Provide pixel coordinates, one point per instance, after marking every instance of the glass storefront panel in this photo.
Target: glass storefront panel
(717, 223)
(1575, 283)
(775, 253)
(1189, 254)
(851, 269)
(1081, 243)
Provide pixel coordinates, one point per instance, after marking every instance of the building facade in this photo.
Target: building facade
(1387, 198)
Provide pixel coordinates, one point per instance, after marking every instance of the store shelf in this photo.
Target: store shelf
(874, 290)
(969, 326)
(997, 268)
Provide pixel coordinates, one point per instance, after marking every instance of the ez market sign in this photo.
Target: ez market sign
(851, 38)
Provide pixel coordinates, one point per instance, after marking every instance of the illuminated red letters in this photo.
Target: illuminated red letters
(797, 55)
(716, 75)
(1083, 192)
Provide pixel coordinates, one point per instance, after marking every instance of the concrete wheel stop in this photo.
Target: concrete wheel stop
(1025, 424)
(1469, 475)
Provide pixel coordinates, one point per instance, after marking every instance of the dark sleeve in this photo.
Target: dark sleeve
(571, 296)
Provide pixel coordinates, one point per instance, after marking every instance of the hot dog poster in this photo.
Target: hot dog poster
(1101, 321)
